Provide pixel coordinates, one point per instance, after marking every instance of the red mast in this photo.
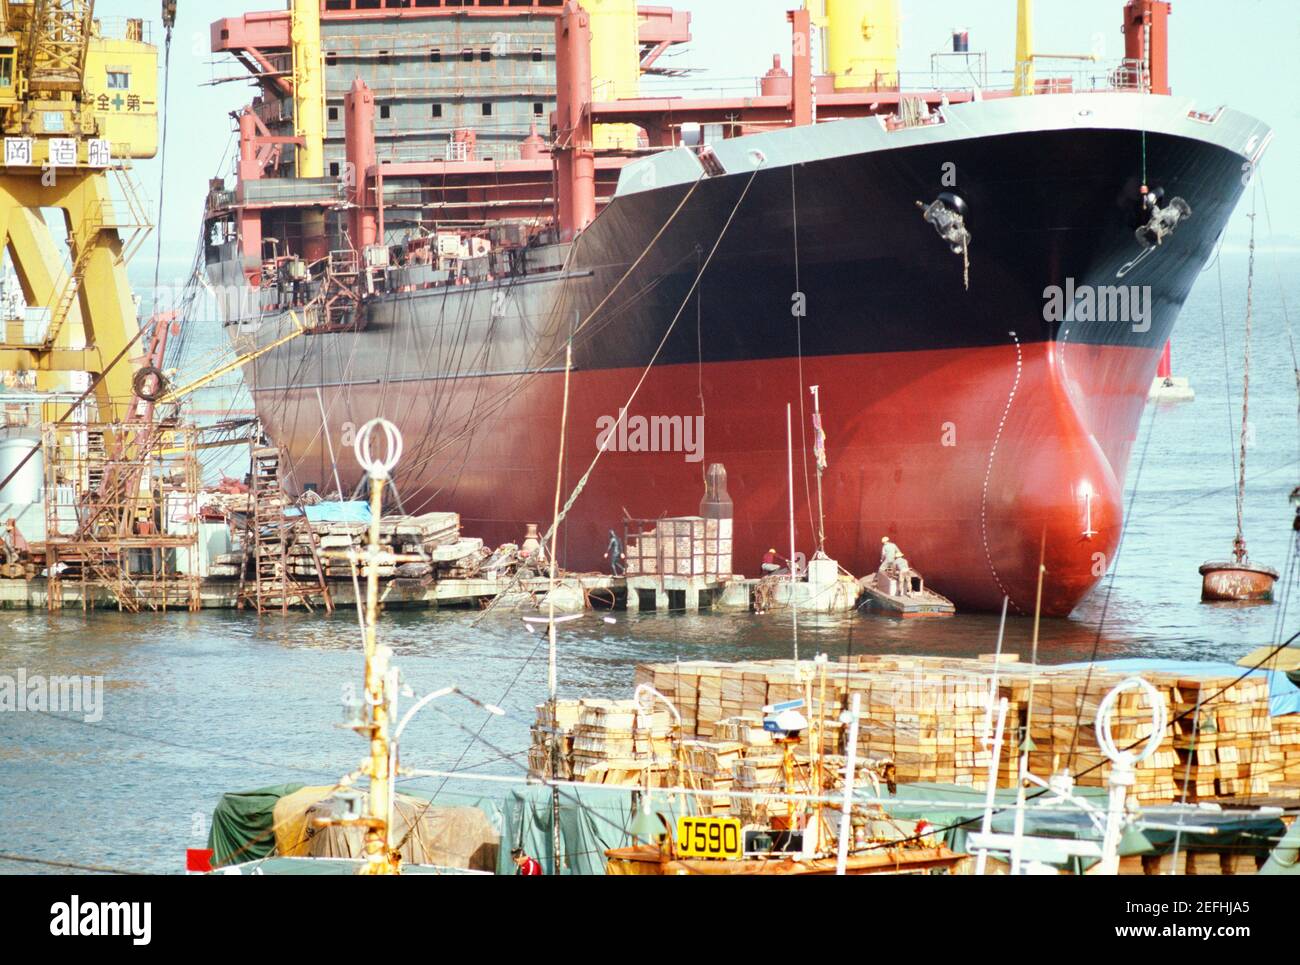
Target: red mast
(1146, 40)
(359, 137)
(573, 147)
(801, 102)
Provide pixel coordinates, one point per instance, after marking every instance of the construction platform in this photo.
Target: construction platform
(575, 592)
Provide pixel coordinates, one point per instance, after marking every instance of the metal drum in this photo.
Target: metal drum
(27, 485)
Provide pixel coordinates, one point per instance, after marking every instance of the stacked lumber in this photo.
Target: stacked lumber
(931, 717)
(226, 564)
(554, 723)
(764, 773)
(929, 724)
(748, 732)
(710, 766)
(1165, 864)
(1236, 863)
(1065, 709)
(1284, 756)
(1223, 738)
(433, 536)
(1210, 862)
(615, 731)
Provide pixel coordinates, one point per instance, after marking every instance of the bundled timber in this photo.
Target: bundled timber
(604, 742)
(434, 536)
(931, 718)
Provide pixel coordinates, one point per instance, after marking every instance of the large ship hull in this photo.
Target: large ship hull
(966, 416)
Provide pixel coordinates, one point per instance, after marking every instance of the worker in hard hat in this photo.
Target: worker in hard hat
(771, 563)
(889, 553)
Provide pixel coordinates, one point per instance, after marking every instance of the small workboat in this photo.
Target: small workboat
(1238, 580)
(910, 598)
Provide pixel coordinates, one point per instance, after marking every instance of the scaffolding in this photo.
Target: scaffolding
(279, 545)
(121, 514)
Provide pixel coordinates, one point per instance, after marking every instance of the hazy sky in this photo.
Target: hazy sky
(1221, 53)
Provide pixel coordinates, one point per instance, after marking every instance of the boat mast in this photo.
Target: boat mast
(550, 616)
(789, 466)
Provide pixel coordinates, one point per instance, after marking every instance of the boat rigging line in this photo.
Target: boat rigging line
(1239, 545)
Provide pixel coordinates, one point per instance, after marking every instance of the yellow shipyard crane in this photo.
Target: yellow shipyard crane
(75, 105)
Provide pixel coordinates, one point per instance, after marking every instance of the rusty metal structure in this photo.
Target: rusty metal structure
(271, 537)
(121, 514)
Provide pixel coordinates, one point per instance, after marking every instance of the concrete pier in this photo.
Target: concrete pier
(668, 594)
(222, 594)
(662, 594)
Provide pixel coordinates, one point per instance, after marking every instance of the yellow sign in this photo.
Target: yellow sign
(709, 838)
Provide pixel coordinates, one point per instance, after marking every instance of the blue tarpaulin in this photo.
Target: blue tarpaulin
(352, 511)
(1283, 696)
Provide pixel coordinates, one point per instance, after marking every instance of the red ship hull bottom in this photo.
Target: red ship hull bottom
(978, 462)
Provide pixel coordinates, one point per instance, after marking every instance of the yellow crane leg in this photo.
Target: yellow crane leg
(39, 266)
(103, 311)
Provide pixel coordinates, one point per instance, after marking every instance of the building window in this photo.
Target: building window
(385, 57)
(467, 55)
(487, 109)
(334, 113)
(331, 58)
(119, 80)
(539, 108)
(437, 110)
(384, 111)
(485, 55)
(334, 169)
(435, 56)
(537, 55)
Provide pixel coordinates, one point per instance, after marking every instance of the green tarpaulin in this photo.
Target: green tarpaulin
(243, 823)
(592, 819)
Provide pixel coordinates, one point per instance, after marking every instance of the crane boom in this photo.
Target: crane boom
(58, 36)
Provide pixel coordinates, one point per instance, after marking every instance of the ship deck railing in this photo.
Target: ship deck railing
(1066, 74)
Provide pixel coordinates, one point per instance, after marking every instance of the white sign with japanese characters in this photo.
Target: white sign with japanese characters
(63, 152)
(98, 154)
(18, 151)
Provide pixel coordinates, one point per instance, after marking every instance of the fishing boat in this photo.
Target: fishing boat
(648, 859)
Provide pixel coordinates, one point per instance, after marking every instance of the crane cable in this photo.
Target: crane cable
(169, 14)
